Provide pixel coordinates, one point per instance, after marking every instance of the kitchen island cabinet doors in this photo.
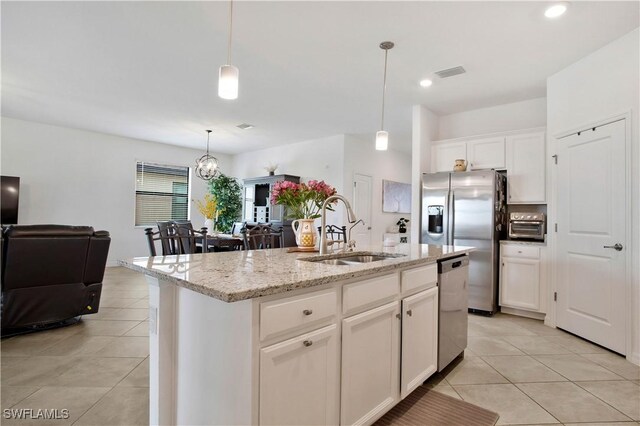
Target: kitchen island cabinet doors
(419, 339)
(526, 169)
(370, 364)
(299, 380)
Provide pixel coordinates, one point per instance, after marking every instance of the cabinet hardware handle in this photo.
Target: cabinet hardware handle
(308, 343)
(410, 312)
(307, 312)
(616, 247)
(398, 316)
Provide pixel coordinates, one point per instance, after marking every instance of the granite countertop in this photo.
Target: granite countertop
(239, 275)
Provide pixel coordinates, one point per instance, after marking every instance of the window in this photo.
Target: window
(162, 193)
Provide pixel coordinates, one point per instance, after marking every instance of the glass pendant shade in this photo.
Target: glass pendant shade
(382, 140)
(228, 82)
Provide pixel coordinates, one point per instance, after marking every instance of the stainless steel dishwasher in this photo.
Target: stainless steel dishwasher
(453, 302)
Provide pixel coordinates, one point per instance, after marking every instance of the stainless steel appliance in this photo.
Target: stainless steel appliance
(468, 209)
(453, 276)
(528, 226)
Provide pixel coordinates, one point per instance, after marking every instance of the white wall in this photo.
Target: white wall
(320, 159)
(500, 118)
(425, 129)
(361, 157)
(603, 84)
(77, 177)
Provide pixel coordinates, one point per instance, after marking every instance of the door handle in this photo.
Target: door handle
(616, 247)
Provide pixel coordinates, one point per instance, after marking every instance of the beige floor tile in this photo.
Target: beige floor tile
(119, 314)
(13, 394)
(536, 345)
(621, 395)
(76, 400)
(576, 368)
(127, 346)
(570, 403)
(500, 327)
(140, 304)
(106, 327)
(576, 344)
(536, 326)
(602, 424)
(522, 369)
(33, 343)
(616, 363)
(473, 371)
(121, 406)
(98, 372)
(513, 406)
(37, 371)
(116, 302)
(482, 345)
(141, 329)
(78, 344)
(446, 389)
(139, 377)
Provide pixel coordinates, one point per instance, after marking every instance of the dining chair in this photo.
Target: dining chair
(188, 237)
(263, 237)
(335, 234)
(167, 238)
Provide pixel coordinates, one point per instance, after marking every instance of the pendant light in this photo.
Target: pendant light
(228, 75)
(207, 165)
(382, 136)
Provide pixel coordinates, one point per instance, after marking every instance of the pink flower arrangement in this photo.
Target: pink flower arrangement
(303, 200)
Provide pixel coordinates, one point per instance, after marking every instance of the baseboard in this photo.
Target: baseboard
(112, 264)
(634, 358)
(522, 313)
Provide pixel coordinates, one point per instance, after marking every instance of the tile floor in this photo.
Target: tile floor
(527, 372)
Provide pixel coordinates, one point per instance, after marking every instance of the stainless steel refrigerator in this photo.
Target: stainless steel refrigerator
(468, 209)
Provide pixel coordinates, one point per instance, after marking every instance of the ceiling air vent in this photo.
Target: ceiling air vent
(245, 126)
(450, 72)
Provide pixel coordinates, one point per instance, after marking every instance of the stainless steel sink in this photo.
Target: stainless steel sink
(355, 258)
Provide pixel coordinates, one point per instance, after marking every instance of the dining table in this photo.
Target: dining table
(222, 242)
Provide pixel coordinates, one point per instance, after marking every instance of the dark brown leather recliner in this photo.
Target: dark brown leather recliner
(51, 273)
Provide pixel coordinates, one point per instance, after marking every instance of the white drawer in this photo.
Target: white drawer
(297, 312)
(420, 278)
(369, 293)
(520, 250)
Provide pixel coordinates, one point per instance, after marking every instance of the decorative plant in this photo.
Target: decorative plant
(303, 200)
(402, 225)
(228, 194)
(209, 207)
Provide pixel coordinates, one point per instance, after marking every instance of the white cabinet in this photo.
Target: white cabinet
(419, 339)
(370, 364)
(299, 380)
(487, 153)
(444, 156)
(526, 171)
(522, 277)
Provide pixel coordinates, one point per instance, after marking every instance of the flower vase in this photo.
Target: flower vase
(306, 235)
(209, 224)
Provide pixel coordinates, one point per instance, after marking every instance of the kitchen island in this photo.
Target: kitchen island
(271, 337)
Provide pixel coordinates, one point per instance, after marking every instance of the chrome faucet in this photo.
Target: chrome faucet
(351, 217)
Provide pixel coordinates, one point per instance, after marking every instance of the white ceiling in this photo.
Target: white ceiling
(148, 70)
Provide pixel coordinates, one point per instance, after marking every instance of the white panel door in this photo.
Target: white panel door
(419, 339)
(370, 364)
(299, 380)
(486, 153)
(444, 156)
(526, 169)
(362, 194)
(591, 209)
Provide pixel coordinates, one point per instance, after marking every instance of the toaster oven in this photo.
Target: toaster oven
(529, 226)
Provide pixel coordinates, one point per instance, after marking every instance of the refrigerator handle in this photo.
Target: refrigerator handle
(450, 217)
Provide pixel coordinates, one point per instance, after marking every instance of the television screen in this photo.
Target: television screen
(10, 187)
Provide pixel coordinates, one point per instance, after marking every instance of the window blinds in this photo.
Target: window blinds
(162, 193)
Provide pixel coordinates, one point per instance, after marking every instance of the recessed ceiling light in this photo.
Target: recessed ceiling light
(426, 82)
(245, 126)
(556, 10)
